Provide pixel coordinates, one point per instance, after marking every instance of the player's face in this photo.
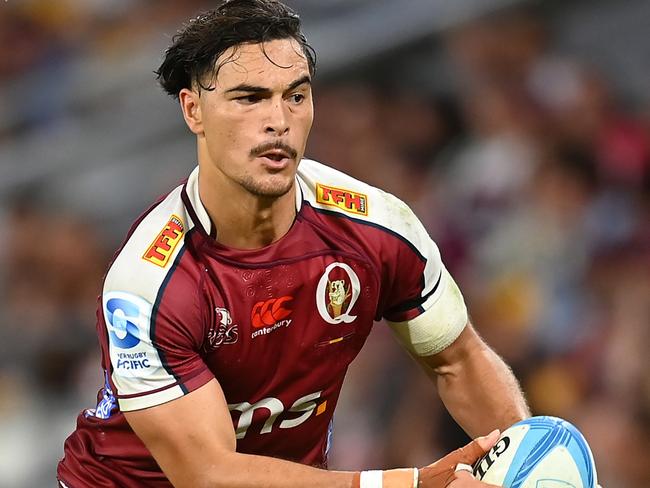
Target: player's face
(257, 119)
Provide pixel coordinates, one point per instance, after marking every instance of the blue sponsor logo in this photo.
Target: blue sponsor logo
(330, 436)
(131, 361)
(121, 316)
(106, 404)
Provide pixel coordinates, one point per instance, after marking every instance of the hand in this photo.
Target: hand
(443, 474)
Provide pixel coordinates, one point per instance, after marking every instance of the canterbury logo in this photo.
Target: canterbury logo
(269, 312)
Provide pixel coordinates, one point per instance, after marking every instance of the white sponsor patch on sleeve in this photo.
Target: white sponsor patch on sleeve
(135, 360)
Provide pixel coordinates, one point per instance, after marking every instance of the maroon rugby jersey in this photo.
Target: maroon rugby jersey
(277, 326)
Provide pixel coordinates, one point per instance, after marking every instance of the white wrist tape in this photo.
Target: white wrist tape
(375, 479)
(372, 479)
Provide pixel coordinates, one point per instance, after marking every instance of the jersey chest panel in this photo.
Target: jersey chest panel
(281, 336)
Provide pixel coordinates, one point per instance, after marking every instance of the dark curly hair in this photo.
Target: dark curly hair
(192, 57)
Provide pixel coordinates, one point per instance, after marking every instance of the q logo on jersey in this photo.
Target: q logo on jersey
(337, 292)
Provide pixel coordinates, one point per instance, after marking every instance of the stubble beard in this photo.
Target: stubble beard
(266, 189)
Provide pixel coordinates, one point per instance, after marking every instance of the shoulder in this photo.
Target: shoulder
(337, 194)
(152, 251)
(150, 297)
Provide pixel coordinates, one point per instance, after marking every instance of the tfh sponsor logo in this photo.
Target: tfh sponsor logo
(270, 315)
(337, 292)
(350, 201)
(225, 331)
(162, 248)
(306, 406)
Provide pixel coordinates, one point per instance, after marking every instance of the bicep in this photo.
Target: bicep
(187, 435)
(442, 338)
(439, 326)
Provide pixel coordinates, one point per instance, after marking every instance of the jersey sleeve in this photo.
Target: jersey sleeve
(423, 305)
(411, 264)
(412, 277)
(154, 334)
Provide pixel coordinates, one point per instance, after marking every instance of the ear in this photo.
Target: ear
(191, 107)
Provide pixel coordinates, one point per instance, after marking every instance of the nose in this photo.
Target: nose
(277, 122)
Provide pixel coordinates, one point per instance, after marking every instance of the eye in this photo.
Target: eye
(248, 99)
(297, 98)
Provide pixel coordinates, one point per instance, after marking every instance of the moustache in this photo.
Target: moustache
(269, 146)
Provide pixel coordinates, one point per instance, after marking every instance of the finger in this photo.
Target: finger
(461, 479)
(476, 449)
(486, 442)
(466, 455)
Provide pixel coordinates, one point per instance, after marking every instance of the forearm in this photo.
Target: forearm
(236, 470)
(481, 392)
(193, 441)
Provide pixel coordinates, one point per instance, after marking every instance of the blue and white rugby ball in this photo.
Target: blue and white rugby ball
(539, 452)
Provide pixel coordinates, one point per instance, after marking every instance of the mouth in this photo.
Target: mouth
(276, 155)
(276, 159)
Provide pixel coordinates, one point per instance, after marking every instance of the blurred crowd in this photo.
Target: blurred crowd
(533, 178)
(41, 40)
(532, 174)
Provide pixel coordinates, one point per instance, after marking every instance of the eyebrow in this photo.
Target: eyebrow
(260, 89)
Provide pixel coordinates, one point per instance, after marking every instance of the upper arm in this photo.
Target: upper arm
(438, 326)
(165, 390)
(151, 321)
(441, 338)
(426, 309)
(189, 435)
(151, 346)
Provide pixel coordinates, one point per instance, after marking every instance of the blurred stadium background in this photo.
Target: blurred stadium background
(518, 131)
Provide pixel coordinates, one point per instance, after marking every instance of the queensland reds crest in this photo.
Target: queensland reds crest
(225, 332)
(338, 290)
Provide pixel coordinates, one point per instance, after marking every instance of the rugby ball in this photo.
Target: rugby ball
(539, 452)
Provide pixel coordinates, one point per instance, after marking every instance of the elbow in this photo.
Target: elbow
(221, 472)
(463, 358)
(224, 472)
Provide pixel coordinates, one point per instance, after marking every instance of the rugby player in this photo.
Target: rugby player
(231, 312)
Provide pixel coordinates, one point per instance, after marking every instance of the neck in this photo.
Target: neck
(244, 220)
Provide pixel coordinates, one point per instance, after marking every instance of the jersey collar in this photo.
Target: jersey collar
(194, 205)
(199, 214)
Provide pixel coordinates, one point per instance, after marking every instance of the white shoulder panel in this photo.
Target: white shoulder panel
(148, 255)
(129, 295)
